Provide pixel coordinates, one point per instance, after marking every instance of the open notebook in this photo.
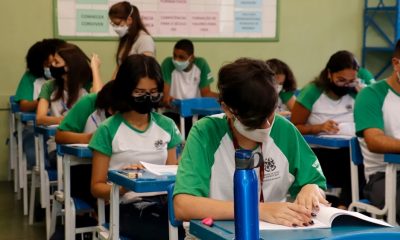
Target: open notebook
(329, 217)
(161, 170)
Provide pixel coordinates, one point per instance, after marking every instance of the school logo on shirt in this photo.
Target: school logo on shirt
(159, 144)
(269, 170)
(349, 107)
(269, 164)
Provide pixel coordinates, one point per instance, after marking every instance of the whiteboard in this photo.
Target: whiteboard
(254, 20)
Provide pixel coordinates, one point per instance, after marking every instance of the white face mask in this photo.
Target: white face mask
(278, 88)
(47, 73)
(180, 66)
(121, 30)
(258, 135)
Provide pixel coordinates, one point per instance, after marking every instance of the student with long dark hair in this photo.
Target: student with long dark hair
(133, 36)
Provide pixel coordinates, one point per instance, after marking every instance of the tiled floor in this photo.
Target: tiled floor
(13, 224)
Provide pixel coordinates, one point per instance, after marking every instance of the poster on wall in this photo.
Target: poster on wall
(171, 19)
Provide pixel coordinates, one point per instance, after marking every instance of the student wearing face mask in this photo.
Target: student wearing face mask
(135, 133)
(133, 36)
(285, 85)
(185, 76)
(325, 106)
(204, 183)
(38, 60)
(74, 76)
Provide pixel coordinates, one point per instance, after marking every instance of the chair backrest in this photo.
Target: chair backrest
(185, 106)
(14, 106)
(171, 213)
(368, 236)
(355, 152)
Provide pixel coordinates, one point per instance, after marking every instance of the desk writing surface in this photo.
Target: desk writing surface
(328, 142)
(392, 158)
(75, 150)
(28, 116)
(223, 230)
(46, 130)
(147, 183)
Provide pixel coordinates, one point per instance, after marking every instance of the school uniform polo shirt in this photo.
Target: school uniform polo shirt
(83, 117)
(187, 84)
(127, 145)
(207, 165)
(59, 107)
(377, 107)
(284, 97)
(29, 87)
(323, 108)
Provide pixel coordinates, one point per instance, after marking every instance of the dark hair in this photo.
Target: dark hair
(185, 45)
(280, 67)
(122, 10)
(132, 70)
(337, 62)
(38, 53)
(79, 73)
(396, 52)
(247, 87)
(104, 97)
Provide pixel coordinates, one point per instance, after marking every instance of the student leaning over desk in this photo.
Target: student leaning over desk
(78, 127)
(204, 183)
(38, 59)
(74, 76)
(378, 127)
(135, 133)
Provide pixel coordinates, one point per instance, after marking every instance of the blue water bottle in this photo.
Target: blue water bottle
(246, 196)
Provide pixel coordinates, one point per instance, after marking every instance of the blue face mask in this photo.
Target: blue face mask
(180, 66)
(47, 73)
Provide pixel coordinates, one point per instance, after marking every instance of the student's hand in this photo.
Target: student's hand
(310, 196)
(285, 113)
(285, 213)
(95, 61)
(134, 166)
(167, 101)
(329, 127)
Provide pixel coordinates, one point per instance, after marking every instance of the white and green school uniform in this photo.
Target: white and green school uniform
(376, 107)
(284, 97)
(187, 84)
(207, 165)
(83, 117)
(29, 87)
(366, 76)
(126, 145)
(143, 43)
(323, 108)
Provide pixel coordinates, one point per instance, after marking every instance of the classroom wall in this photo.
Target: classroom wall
(309, 32)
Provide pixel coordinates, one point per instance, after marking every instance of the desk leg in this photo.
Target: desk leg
(41, 171)
(69, 232)
(114, 211)
(390, 193)
(19, 154)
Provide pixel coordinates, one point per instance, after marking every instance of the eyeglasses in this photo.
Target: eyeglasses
(345, 83)
(141, 96)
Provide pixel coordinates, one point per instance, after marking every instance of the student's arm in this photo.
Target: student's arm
(67, 137)
(99, 187)
(299, 118)
(189, 207)
(206, 92)
(28, 106)
(95, 66)
(41, 114)
(290, 103)
(378, 142)
(171, 159)
(167, 99)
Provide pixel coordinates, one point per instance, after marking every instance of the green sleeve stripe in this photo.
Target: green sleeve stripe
(206, 77)
(286, 96)
(47, 90)
(309, 95)
(25, 88)
(167, 67)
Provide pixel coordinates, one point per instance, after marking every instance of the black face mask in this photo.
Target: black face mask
(341, 91)
(57, 72)
(144, 106)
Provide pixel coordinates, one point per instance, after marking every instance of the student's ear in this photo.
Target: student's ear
(226, 110)
(129, 21)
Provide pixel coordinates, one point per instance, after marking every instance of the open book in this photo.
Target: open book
(328, 217)
(161, 170)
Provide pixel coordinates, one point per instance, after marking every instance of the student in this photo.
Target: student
(135, 133)
(286, 86)
(378, 129)
(38, 59)
(74, 76)
(204, 183)
(133, 36)
(186, 76)
(365, 77)
(325, 106)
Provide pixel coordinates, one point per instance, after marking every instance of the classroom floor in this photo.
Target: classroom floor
(13, 224)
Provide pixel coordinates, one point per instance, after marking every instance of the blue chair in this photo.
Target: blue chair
(193, 107)
(368, 236)
(364, 204)
(172, 222)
